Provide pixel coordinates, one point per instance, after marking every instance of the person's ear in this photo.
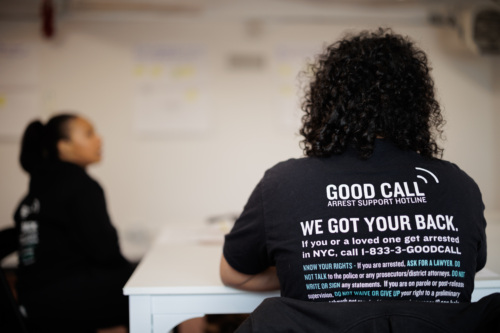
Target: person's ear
(64, 148)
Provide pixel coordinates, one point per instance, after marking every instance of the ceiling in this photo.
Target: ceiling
(29, 9)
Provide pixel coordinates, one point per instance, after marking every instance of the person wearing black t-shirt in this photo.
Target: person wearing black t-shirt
(372, 212)
(71, 270)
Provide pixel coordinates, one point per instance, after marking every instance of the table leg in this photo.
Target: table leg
(140, 314)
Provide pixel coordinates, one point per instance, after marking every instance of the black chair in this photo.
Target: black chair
(11, 318)
(8, 242)
(280, 314)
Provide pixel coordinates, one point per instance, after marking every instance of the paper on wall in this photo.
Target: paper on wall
(170, 88)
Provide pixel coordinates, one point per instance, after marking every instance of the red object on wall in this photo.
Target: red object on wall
(47, 16)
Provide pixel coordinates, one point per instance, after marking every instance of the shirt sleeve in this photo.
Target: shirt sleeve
(482, 246)
(245, 246)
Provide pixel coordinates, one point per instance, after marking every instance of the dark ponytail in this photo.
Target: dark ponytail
(32, 153)
(39, 141)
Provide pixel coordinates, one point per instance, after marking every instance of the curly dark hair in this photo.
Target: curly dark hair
(369, 85)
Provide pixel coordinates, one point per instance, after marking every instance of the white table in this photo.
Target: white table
(178, 279)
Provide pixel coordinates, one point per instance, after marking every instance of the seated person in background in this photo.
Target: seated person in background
(372, 212)
(71, 270)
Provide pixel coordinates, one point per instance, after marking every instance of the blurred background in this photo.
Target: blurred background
(195, 99)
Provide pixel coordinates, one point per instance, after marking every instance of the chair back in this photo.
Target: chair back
(280, 314)
(11, 319)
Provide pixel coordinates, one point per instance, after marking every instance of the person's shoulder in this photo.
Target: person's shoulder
(293, 167)
(442, 164)
(75, 177)
(447, 170)
(291, 163)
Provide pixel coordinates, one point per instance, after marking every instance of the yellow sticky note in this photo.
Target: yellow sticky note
(157, 70)
(191, 95)
(183, 72)
(139, 70)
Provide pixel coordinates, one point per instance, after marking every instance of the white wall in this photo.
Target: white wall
(178, 180)
(496, 121)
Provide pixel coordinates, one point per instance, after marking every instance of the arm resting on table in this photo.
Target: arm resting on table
(264, 281)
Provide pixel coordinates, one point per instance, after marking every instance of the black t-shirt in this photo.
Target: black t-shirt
(64, 228)
(394, 227)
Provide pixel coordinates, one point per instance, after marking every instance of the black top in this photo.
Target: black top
(396, 226)
(64, 227)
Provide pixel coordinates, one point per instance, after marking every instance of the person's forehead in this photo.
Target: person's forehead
(80, 123)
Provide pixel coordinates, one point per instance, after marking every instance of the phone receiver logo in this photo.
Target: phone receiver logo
(427, 174)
